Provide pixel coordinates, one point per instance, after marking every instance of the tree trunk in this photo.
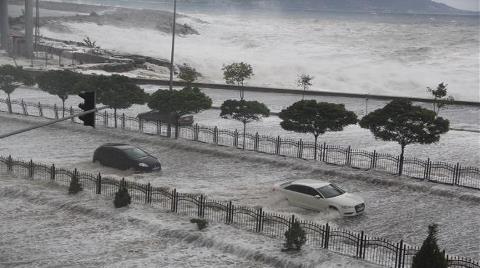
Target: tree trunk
(303, 93)
(244, 130)
(115, 116)
(9, 104)
(63, 107)
(316, 146)
(177, 122)
(400, 165)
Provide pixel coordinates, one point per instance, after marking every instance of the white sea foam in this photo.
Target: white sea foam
(396, 56)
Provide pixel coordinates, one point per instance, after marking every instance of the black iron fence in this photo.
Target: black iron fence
(425, 170)
(255, 219)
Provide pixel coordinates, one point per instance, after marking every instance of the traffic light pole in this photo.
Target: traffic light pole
(51, 122)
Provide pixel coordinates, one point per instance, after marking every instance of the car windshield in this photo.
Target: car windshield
(330, 191)
(135, 153)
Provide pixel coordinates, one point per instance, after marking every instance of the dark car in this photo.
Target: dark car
(124, 156)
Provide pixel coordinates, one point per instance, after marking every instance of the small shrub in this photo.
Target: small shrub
(75, 186)
(201, 223)
(294, 237)
(429, 255)
(122, 197)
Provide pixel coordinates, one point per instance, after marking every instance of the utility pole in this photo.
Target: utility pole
(173, 43)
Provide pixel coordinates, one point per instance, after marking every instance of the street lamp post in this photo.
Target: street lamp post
(173, 43)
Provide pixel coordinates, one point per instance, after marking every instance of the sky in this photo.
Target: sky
(462, 4)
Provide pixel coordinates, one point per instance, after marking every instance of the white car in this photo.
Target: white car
(320, 195)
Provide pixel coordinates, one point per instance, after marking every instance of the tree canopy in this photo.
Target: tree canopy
(429, 255)
(18, 74)
(405, 123)
(182, 102)
(440, 98)
(304, 81)
(310, 116)
(7, 84)
(237, 73)
(61, 83)
(244, 111)
(188, 74)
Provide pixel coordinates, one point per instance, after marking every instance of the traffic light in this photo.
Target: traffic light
(88, 104)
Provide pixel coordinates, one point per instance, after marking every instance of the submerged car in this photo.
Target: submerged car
(320, 195)
(124, 156)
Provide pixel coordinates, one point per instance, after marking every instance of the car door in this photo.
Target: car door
(300, 195)
(311, 198)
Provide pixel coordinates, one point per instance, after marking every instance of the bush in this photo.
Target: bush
(429, 255)
(294, 237)
(201, 223)
(75, 186)
(122, 197)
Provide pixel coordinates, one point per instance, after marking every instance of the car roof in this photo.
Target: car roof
(118, 145)
(310, 182)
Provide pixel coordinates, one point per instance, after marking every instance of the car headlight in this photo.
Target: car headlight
(347, 207)
(142, 165)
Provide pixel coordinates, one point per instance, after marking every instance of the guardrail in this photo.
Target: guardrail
(356, 244)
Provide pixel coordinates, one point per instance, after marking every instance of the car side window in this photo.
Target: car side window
(302, 189)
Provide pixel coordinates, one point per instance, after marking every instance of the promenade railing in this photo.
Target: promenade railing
(421, 169)
(322, 236)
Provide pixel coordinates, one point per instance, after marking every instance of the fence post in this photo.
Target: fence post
(105, 119)
(55, 111)
(52, 172)
(123, 120)
(348, 160)
(229, 213)
(147, 193)
(174, 194)
(199, 206)
(324, 152)
(255, 143)
(9, 163)
(456, 174)
(75, 175)
(400, 254)
(300, 149)
(235, 139)
(277, 145)
(99, 184)
(327, 236)
(425, 171)
(71, 114)
(30, 169)
(259, 225)
(24, 108)
(215, 135)
(400, 165)
(360, 245)
(40, 110)
(373, 163)
(195, 132)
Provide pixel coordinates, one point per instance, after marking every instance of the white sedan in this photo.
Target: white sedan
(321, 195)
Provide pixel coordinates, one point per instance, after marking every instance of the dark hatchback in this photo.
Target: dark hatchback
(124, 156)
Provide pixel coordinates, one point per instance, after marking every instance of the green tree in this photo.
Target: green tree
(429, 255)
(179, 103)
(295, 237)
(8, 85)
(304, 81)
(308, 116)
(60, 83)
(116, 91)
(75, 185)
(440, 98)
(244, 111)
(18, 74)
(188, 74)
(122, 197)
(237, 73)
(404, 123)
